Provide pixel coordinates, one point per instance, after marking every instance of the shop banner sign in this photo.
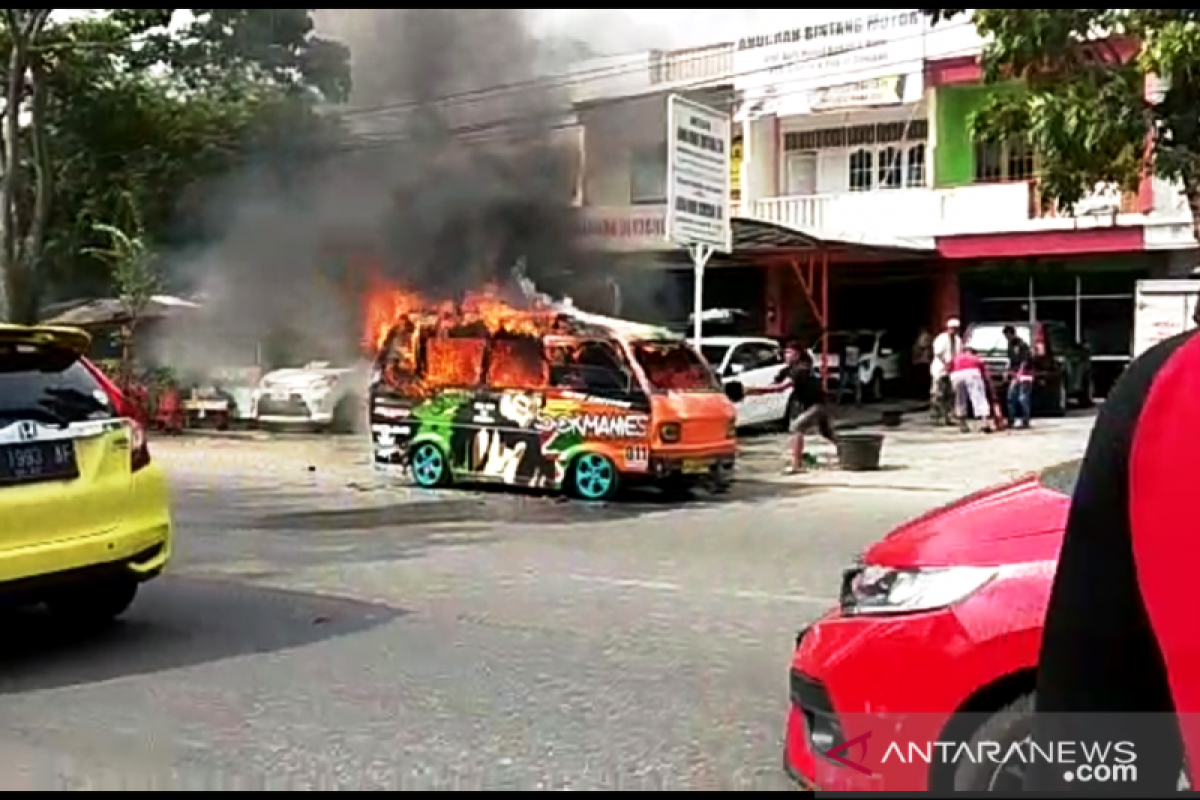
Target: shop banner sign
(820, 53)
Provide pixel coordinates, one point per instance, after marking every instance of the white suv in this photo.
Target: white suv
(875, 355)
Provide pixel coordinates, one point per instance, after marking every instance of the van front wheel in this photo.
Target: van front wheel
(594, 477)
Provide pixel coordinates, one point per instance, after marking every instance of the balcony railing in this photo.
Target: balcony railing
(988, 208)
(692, 66)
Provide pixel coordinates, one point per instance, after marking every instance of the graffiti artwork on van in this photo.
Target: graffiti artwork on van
(515, 436)
(580, 419)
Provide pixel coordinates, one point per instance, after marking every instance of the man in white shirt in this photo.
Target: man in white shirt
(946, 347)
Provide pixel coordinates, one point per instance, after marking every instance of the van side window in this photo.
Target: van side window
(591, 367)
(517, 363)
(454, 363)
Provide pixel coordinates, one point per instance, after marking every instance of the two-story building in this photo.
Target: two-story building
(857, 126)
(624, 121)
(804, 139)
(853, 133)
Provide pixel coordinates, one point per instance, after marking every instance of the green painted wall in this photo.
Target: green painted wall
(954, 150)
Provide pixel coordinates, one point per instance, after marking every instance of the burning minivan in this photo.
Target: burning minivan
(480, 391)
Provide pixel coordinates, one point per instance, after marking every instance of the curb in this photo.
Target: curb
(873, 421)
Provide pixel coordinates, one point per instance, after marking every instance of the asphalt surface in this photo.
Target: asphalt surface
(318, 631)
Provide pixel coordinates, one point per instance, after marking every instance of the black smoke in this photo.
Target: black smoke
(454, 165)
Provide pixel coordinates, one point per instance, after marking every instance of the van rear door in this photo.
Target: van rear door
(65, 452)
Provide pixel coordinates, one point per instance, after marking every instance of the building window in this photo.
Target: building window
(1020, 161)
(915, 176)
(837, 138)
(1004, 161)
(989, 162)
(891, 168)
(648, 175)
(862, 170)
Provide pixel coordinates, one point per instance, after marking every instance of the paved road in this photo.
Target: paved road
(318, 632)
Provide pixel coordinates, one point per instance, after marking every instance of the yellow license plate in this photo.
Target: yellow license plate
(695, 467)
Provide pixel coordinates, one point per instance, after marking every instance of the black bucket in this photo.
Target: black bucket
(859, 452)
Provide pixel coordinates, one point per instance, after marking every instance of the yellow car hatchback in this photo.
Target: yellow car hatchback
(84, 513)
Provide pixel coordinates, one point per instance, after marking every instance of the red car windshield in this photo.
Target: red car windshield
(674, 367)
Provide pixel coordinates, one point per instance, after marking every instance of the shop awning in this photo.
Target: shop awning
(754, 239)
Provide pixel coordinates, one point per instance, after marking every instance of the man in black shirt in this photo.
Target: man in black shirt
(807, 407)
(1020, 378)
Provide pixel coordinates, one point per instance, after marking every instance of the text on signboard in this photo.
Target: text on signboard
(874, 23)
(701, 140)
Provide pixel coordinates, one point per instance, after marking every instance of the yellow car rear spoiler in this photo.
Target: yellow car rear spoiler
(72, 339)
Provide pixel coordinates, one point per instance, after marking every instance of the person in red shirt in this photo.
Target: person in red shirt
(968, 377)
(1120, 657)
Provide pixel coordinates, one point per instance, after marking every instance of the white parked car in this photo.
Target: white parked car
(877, 357)
(756, 363)
(316, 395)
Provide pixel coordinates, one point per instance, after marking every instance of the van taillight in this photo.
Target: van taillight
(139, 451)
(1039, 341)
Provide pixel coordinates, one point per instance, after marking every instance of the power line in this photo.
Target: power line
(550, 122)
(564, 79)
(571, 80)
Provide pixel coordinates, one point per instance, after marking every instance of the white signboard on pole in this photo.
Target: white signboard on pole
(698, 142)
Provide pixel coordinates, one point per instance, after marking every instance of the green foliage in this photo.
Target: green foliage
(1084, 106)
(128, 113)
(135, 275)
(220, 46)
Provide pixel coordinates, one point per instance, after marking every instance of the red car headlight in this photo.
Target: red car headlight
(886, 590)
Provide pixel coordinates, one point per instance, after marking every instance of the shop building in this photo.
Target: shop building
(852, 136)
(838, 143)
(859, 132)
(623, 118)
(1024, 258)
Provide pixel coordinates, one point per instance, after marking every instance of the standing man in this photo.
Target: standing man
(946, 347)
(807, 404)
(1020, 378)
(922, 358)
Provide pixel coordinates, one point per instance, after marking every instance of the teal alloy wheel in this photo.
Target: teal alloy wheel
(594, 477)
(429, 466)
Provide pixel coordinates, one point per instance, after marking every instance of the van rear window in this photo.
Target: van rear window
(674, 367)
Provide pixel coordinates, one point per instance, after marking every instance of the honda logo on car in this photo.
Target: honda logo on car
(1083, 761)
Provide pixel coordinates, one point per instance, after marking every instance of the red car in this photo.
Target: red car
(935, 639)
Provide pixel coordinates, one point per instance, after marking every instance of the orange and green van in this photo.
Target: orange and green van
(583, 404)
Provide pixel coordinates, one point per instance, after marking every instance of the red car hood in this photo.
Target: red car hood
(1009, 524)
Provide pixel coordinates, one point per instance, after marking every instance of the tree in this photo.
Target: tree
(1082, 102)
(222, 47)
(23, 78)
(34, 44)
(119, 70)
(136, 280)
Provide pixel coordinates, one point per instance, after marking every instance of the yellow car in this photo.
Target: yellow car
(84, 514)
